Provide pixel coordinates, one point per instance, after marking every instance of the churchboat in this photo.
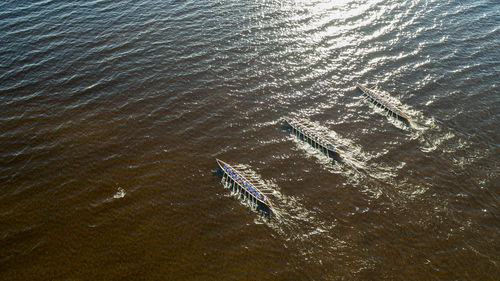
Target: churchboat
(246, 186)
(375, 99)
(310, 135)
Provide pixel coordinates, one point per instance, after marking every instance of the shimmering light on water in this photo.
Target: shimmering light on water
(112, 115)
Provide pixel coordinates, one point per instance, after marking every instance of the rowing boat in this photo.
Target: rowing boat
(313, 137)
(246, 187)
(378, 101)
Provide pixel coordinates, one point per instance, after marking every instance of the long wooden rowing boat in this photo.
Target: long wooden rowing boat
(310, 135)
(246, 187)
(378, 101)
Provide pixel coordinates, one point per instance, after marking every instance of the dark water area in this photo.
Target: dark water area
(112, 115)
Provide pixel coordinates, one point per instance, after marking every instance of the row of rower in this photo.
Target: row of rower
(244, 183)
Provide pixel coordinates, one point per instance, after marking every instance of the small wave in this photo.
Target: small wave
(120, 193)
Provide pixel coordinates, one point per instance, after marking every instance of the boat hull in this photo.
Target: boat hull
(246, 190)
(375, 99)
(301, 132)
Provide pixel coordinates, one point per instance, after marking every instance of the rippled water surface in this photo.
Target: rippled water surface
(112, 114)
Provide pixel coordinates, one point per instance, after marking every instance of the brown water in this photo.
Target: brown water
(112, 115)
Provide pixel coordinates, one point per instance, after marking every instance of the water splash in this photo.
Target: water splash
(120, 193)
